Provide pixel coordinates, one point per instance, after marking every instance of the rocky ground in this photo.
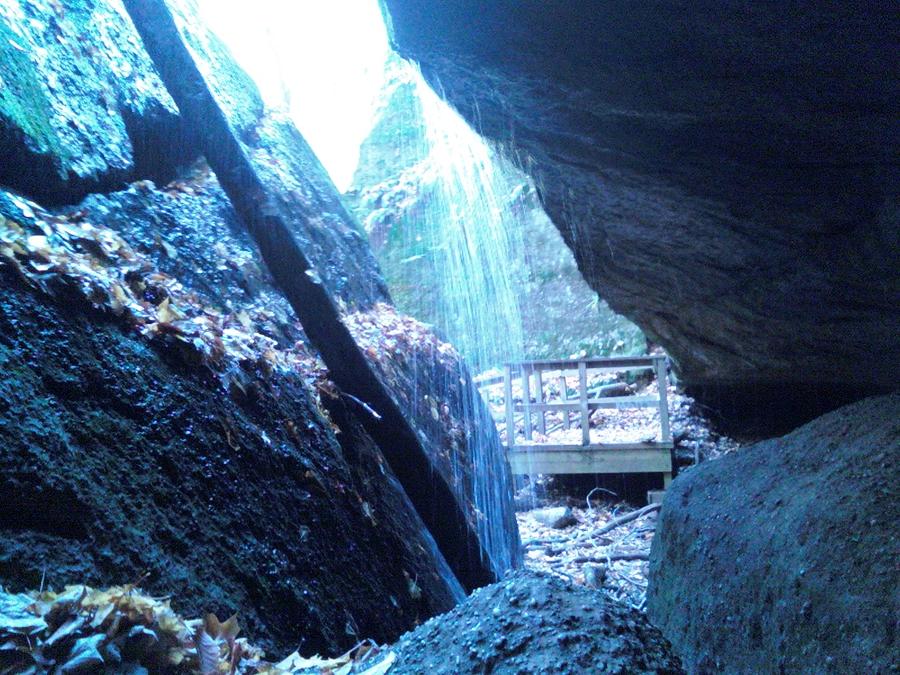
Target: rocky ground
(584, 552)
(535, 623)
(529, 623)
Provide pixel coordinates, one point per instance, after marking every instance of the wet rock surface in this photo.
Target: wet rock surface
(434, 389)
(725, 175)
(321, 261)
(81, 106)
(535, 623)
(127, 453)
(783, 556)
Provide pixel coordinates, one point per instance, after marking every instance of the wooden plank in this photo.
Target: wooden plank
(564, 396)
(572, 367)
(539, 396)
(509, 404)
(663, 382)
(565, 447)
(618, 370)
(549, 406)
(621, 402)
(526, 401)
(583, 404)
(617, 362)
(582, 460)
(618, 402)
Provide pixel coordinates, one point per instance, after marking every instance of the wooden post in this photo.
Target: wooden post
(509, 405)
(583, 400)
(663, 381)
(539, 395)
(564, 397)
(526, 401)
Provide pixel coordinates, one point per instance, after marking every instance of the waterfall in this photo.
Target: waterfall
(439, 213)
(465, 235)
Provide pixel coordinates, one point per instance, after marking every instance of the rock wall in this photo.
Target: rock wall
(132, 449)
(81, 106)
(725, 174)
(406, 192)
(161, 407)
(783, 557)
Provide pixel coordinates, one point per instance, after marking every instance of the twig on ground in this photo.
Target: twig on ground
(536, 543)
(612, 557)
(616, 522)
(598, 489)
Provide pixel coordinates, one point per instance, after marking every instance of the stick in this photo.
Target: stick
(531, 543)
(620, 555)
(598, 489)
(365, 406)
(621, 520)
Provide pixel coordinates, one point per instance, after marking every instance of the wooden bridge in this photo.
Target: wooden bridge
(545, 390)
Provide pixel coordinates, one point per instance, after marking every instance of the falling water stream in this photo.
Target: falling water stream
(437, 207)
(462, 239)
(329, 65)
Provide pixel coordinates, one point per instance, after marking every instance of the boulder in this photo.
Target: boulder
(782, 557)
(535, 623)
(725, 174)
(131, 451)
(81, 106)
(558, 517)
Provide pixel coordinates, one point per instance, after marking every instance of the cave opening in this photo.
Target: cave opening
(455, 222)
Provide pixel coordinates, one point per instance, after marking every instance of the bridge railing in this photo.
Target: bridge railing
(535, 375)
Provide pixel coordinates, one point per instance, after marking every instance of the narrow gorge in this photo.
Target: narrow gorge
(304, 305)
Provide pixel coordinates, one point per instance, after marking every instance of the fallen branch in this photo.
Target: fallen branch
(617, 522)
(538, 543)
(612, 557)
(598, 489)
(365, 406)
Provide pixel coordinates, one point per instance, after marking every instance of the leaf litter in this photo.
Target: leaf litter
(121, 628)
(63, 254)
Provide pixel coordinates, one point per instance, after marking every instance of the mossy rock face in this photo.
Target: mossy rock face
(81, 106)
(408, 191)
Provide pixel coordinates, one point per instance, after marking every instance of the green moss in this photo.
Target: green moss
(23, 101)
